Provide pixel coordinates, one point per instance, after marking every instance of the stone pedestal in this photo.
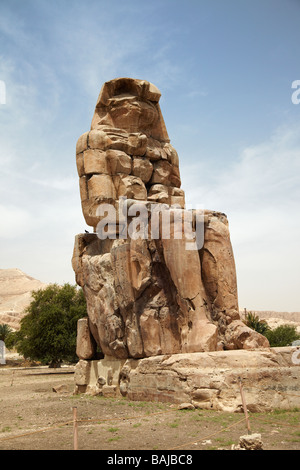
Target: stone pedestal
(209, 380)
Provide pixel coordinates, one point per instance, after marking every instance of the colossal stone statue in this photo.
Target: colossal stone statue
(174, 292)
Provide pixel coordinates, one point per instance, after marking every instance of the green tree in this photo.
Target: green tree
(253, 321)
(5, 331)
(49, 328)
(282, 336)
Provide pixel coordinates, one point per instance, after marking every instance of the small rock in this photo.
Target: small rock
(208, 441)
(251, 442)
(60, 389)
(101, 381)
(186, 406)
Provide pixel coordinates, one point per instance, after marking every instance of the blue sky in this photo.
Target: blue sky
(225, 70)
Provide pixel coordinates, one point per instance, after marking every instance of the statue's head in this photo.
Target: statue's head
(131, 105)
(127, 153)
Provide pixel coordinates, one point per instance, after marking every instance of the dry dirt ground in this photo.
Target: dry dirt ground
(35, 417)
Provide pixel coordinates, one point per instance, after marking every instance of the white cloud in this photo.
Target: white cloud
(197, 93)
(263, 174)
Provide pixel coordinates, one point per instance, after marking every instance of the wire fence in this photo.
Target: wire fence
(75, 422)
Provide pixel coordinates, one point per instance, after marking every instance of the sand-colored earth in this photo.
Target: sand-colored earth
(35, 417)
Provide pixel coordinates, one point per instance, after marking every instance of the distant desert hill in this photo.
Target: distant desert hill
(15, 295)
(290, 316)
(275, 319)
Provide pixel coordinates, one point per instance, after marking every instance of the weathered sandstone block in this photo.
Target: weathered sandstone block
(95, 162)
(143, 168)
(86, 345)
(130, 187)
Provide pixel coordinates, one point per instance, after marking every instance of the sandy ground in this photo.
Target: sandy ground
(35, 417)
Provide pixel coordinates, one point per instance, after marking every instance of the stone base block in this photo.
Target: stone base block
(99, 377)
(210, 380)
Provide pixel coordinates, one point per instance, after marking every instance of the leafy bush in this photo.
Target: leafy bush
(282, 336)
(5, 331)
(48, 330)
(254, 322)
